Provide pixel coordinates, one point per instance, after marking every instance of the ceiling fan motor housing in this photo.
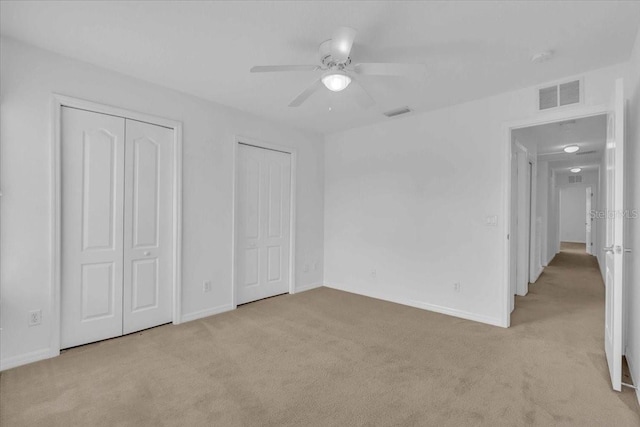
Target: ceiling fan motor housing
(327, 60)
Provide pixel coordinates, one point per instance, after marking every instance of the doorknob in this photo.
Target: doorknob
(608, 249)
(147, 253)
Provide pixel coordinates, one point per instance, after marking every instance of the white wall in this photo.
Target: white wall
(542, 205)
(553, 228)
(573, 203)
(28, 77)
(632, 240)
(572, 225)
(408, 198)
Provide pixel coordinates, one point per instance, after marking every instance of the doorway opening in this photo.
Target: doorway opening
(607, 165)
(555, 195)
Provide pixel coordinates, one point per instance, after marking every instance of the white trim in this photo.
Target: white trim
(206, 313)
(23, 359)
(237, 140)
(537, 275)
(309, 287)
(543, 117)
(57, 102)
(629, 358)
(419, 304)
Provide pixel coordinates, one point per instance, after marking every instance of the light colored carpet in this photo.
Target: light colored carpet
(326, 357)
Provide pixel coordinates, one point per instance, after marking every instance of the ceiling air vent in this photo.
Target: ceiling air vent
(575, 179)
(397, 112)
(559, 95)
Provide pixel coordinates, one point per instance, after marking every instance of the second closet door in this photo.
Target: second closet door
(263, 222)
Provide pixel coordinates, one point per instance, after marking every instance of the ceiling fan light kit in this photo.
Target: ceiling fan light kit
(338, 74)
(336, 80)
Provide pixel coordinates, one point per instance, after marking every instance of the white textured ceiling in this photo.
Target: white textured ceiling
(589, 134)
(471, 49)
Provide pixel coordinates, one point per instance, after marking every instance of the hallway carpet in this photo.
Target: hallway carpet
(330, 358)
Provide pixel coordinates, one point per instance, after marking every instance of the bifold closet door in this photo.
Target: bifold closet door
(148, 233)
(117, 238)
(92, 154)
(263, 223)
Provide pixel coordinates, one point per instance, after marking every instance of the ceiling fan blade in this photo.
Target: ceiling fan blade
(390, 69)
(341, 43)
(306, 94)
(272, 68)
(362, 96)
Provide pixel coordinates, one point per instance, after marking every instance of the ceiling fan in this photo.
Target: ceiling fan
(338, 73)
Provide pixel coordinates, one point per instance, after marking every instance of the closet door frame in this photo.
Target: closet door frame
(292, 209)
(57, 102)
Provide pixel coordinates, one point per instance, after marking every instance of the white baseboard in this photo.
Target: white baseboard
(422, 305)
(308, 287)
(634, 374)
(206, 313)
(23, 359)
(537, 276)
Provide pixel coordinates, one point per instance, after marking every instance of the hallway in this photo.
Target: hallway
(566, 306)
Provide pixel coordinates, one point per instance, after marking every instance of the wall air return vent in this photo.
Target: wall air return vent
(575, 179)
(560, 95)
(397, 112)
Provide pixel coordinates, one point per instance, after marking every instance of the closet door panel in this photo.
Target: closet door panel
(148, 234)
(92, 157)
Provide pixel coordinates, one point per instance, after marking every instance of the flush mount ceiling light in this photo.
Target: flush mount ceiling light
(336, 80)
(571, 148)
(576, 170)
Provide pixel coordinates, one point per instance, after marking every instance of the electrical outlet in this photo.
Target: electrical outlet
(206, 286)
(306, 268)
(35, 317)
(456, 287)
(315, 266)
(374, 274)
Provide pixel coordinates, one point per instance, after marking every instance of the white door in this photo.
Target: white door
(614, 249)
(587, 220)
(116, 226)
(148, 234)
(92, 226)
(262, 223)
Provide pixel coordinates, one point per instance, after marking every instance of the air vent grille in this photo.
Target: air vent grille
(570, 93)
(397, 112)
(559, 95)
(575, 179)
(548, 97)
